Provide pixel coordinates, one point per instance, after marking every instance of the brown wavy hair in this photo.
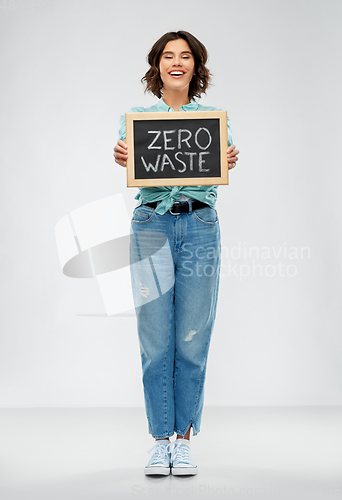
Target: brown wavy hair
(201, 78)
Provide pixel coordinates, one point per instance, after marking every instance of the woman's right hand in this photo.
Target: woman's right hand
(120, 153)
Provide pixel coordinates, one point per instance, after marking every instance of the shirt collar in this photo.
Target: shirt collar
(162, 106)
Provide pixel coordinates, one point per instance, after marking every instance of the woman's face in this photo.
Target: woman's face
(176, 65)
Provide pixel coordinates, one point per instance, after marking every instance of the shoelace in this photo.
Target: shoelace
(181, 453)
(161, 450)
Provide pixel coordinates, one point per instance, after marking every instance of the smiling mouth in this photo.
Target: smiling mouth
(176, 74)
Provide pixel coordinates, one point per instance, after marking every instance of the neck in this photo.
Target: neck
(176, 98)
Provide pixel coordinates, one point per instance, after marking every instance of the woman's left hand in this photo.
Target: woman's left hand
(232, 157)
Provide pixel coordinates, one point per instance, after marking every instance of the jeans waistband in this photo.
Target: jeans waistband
(181, 206)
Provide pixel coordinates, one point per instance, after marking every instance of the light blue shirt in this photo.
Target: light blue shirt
(168, 194)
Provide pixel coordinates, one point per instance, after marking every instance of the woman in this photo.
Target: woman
(175, 264)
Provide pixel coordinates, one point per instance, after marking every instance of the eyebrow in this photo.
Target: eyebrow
(184, 52)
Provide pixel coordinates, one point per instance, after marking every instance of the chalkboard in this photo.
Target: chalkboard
(177, 148)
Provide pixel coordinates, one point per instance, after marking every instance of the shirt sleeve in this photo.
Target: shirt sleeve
(122, 122)
(230, 135)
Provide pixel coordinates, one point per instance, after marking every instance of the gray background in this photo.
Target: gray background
(67, 75)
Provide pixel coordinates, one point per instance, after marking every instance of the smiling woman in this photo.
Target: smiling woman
(190, 51)
(175, 295)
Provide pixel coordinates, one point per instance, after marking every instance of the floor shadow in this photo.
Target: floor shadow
(211, 483)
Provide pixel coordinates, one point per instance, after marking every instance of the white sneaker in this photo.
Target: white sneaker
(160, 459)
(181, 460)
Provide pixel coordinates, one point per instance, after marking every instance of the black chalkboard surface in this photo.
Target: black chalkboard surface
(177, 149)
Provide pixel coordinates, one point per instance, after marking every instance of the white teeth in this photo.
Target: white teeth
(177, 73)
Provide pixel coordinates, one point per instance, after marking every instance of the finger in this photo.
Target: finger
(233, 154)
(231, 165)
(121, 145)
(231, 148)
(120, 150)
(120, 153)
(120, 156)
(122, 163)
(232, 160)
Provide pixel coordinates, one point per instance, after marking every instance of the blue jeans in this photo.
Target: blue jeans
(175, 267)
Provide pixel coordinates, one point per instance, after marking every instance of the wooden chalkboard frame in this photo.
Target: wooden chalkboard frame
(181, 181)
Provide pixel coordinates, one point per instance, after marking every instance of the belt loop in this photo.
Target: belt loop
(190, 206)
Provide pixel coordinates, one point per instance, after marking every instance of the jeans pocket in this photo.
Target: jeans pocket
(143, 214)
(207, 216)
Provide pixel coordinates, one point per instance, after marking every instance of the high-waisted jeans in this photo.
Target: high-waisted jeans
(175, 267)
